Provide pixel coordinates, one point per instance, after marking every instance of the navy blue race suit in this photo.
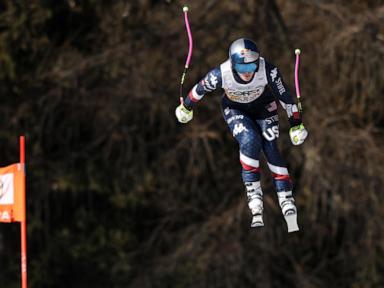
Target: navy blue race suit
(250, 111)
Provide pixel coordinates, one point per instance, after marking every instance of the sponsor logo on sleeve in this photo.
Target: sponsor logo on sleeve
(210, 82)
(273, 74)
(280, 86)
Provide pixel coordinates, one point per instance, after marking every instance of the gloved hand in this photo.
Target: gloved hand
(183, 114)
(298, 134)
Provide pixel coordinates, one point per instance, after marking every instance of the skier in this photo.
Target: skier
(252, 87)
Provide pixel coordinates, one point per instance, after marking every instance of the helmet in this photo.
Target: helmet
(244, 55)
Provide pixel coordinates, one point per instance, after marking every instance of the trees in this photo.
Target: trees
(93, 85)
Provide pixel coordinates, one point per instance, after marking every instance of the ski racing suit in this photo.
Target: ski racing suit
(250, 111)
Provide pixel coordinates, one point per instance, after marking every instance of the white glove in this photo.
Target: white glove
(183, 114)
(298, 134)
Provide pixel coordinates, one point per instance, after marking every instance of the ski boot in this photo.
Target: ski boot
(288, 208)
(255, 203)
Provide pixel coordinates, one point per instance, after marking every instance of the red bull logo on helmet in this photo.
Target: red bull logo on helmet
(249, 55)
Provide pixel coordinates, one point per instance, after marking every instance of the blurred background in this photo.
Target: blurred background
(121, 195)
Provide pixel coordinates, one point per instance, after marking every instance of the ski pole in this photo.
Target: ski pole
(185, 10)
(297, 85)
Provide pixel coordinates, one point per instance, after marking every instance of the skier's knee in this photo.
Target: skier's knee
(251, 170)
(249, 164)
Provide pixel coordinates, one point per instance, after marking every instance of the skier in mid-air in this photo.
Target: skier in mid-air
(252, 87)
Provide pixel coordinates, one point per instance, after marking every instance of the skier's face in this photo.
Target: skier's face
(247, 76)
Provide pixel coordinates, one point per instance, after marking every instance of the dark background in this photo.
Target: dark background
(121, 195)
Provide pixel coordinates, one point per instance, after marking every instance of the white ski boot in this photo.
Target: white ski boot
(255, 203)
(288, 208)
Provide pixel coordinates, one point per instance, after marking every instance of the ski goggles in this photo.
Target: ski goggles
(245, 68)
